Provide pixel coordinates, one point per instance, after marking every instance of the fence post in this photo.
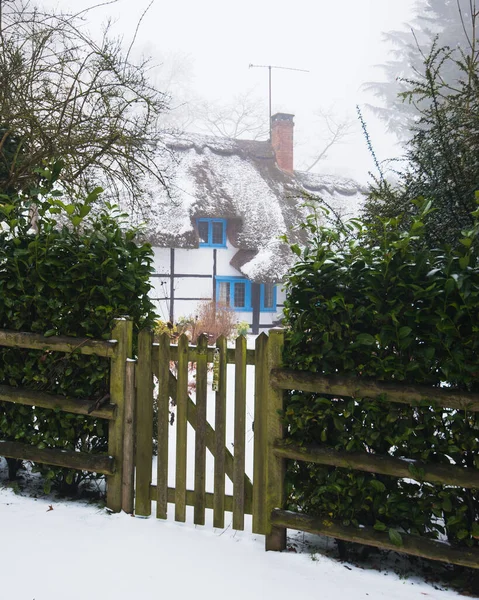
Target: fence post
(123, 333)
(275, 466)
(261, 384)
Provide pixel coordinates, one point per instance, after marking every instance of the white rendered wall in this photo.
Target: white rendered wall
(223, 267)
(194, 287)
(195, 261)
(161, 260)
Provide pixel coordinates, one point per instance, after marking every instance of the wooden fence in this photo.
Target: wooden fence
(130, 413)
(284, 379)
(117, 349)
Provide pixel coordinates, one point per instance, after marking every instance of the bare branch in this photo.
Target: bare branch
(338, 132)
(66, 96)
(137, 29)
(244, 117)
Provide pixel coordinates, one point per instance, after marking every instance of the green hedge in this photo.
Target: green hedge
(381, 305)
(68, 280)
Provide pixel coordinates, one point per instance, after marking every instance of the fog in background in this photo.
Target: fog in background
(202, 52)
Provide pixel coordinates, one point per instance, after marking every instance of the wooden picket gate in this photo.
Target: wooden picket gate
(171, 364)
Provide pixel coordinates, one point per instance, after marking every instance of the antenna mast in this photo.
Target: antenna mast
(270, 67)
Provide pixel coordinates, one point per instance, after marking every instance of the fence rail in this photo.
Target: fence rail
(417, 396)
(380, 464)
(304, 381)
(414, 545)
(35, 341)
(117, 350)
(77, 406)
(70, 459)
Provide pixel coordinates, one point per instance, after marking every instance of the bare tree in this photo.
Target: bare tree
(65, 97)
(331, 131)
(243, 118)
(174, 74)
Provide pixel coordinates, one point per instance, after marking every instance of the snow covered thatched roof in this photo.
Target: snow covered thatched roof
(238, 180)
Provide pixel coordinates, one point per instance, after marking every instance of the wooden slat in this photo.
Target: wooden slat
(287, 379)
(123, 333)
(260, 424)
(128, 488)
(35, 341)
(144, 424)
(220, 439)
(181, 429)
(230, 355)
(76, 406)
(276, 468)
(200, 435)
(383, 465)
(94, 463)
(163, 364)
(415, 545)
(239, 434)
(190, 499)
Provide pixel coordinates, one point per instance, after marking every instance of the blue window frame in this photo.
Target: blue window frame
(235, 292)
(212, 233)
(268, 297)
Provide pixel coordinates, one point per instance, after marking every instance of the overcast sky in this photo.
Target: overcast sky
(212, 43)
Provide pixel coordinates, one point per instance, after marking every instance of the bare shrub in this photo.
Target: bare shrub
(214, 320)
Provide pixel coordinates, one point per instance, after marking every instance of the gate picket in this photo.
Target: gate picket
(220, 441)
(163, 425)
(181, 429)
(200, 435)
(144, 429)
(239, 434)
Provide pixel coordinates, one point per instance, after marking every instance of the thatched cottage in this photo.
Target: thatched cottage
(216, 236)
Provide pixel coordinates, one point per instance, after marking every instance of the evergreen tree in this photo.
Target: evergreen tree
(442, 156)
(449, 24)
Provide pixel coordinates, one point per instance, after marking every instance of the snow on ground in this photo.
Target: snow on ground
(78, 551)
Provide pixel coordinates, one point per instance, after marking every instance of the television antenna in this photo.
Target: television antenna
(270, 68)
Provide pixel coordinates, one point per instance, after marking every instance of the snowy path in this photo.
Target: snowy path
(76, 551)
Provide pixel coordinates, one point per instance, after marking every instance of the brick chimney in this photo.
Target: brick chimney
(282, 140)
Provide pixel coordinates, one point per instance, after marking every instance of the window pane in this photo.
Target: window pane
(268, 295)
(217, 233)
(203, 232)
(224, 293)
(240, 295)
